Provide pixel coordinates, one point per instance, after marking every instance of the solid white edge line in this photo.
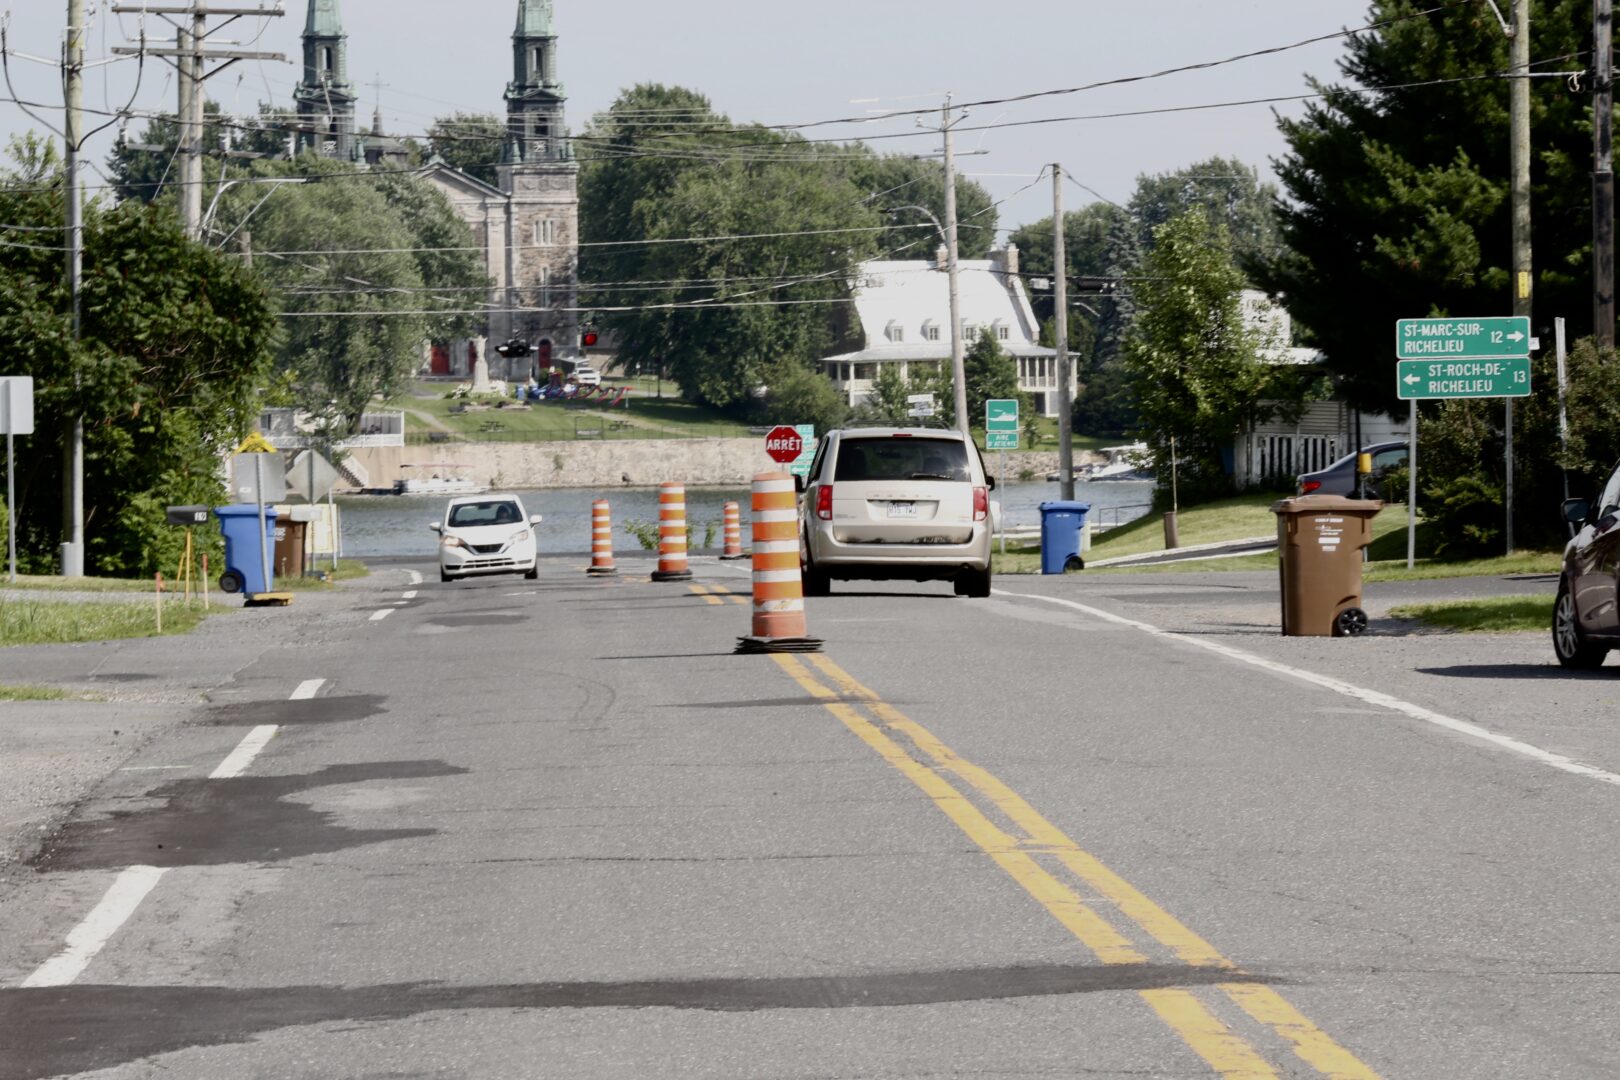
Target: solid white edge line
(98, 927)
(1370, 697)
(416, 577)
(246, 750)
(307, 689)
(412, 595)
(379, 616)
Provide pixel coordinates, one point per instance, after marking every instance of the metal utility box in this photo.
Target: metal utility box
(1320, 540)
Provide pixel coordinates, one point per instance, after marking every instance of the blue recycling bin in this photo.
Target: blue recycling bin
(244, 559)
(1061, 523)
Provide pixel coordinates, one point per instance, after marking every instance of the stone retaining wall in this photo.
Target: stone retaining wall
(613, 463)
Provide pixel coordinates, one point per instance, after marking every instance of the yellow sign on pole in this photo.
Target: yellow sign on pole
(255, 444)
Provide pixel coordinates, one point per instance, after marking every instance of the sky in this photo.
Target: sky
(770, 62)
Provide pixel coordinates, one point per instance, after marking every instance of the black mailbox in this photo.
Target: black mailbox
(188, 515)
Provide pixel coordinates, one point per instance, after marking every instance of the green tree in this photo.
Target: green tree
(798, 394)
(1392, 212)
(1194, 364)
(471, 142)
(895, 180)
(1230, 195)
(990, 373)
(719, 314)
(350, 288)
(176, 342)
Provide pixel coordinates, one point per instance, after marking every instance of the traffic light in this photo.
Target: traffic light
(587, 337)
(513, 348)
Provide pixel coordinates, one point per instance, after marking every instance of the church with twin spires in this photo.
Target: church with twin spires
(527, 225)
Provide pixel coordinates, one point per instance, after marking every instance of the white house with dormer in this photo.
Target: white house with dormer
(903, 313)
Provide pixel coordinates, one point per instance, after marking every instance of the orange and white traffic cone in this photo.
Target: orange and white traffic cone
(672, 534)
(733, 517)
(779, 623)
(602, 563)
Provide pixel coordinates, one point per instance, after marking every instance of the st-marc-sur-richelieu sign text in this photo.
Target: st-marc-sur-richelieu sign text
(1462, 358)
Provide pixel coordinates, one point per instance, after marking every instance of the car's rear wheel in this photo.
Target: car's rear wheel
(1571, 647)
(444, 576)
(816, 582)
(973, 583)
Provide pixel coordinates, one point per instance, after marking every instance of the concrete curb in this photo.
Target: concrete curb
(1248, 546)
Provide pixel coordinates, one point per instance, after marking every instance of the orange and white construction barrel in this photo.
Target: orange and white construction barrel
(602, 563)
(672, 534)
(779, 621)
(733, 532)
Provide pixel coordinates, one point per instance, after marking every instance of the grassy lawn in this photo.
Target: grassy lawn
(46, 622)
(1228, 519)
(347, 570)
(86, 585)
(1497, 615)
(31, 693)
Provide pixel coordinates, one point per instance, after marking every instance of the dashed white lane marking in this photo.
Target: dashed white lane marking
(246, 750)
(1327, 682)
(411, 595)
(98, 927)
(131, 886)
(379, 616)
(416, 577)
(307, 689)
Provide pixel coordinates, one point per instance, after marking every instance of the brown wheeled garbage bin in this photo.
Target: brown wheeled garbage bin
(290, 536)
(1320, 539)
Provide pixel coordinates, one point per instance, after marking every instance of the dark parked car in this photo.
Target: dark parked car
(1586, 622)
(1339, 478)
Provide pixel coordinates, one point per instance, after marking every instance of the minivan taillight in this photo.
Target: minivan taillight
(981, 503)
(824, 502)
(1308, 486)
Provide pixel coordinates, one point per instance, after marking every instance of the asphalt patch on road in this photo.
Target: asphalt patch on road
(474, 619)
(74, 1029)
(249, 819)
(337, 709)
(122, 676)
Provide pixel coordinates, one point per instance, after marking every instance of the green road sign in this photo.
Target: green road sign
(1421, 380)
(1462, 339)
(1001, 424)
(801, 465)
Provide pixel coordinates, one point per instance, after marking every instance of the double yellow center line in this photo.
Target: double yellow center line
(959, 788)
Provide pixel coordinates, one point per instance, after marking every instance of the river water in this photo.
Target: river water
(380, 525)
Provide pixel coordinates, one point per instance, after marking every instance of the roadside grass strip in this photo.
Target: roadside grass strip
(1493, 615)
(45, 622)
(973, 799)
(32, 693)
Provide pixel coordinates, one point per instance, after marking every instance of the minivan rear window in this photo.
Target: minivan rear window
(902, 459)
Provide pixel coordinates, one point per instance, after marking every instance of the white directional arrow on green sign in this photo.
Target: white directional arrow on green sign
(1462, 339)
(1422, 380)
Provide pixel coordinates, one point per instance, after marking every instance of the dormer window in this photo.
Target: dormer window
(969, 331)
(1002, 331)
(930, 330)
(895, 332)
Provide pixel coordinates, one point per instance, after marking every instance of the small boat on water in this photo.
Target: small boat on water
(1124, 463)
(441, 481)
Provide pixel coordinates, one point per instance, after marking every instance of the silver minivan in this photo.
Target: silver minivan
(884, 504)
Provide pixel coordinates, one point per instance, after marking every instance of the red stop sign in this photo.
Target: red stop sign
(784, 444)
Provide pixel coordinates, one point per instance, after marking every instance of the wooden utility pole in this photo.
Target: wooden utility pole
(72, 550)
(1603, 314)
(958, 366)
(1060, 296)
(191, 57)
(1519, 134)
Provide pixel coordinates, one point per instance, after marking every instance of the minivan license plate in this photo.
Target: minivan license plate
(902, 510)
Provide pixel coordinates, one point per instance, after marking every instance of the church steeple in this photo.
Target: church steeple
(325, 98)
(534, 97)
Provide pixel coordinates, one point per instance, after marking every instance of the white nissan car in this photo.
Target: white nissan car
(487, 534)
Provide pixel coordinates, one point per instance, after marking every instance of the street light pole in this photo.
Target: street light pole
(1603, 314)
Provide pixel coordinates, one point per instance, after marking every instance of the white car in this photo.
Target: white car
(897, 503)
(587, 376)
(487, 534)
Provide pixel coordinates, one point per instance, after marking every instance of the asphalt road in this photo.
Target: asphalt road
(1091, 826)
